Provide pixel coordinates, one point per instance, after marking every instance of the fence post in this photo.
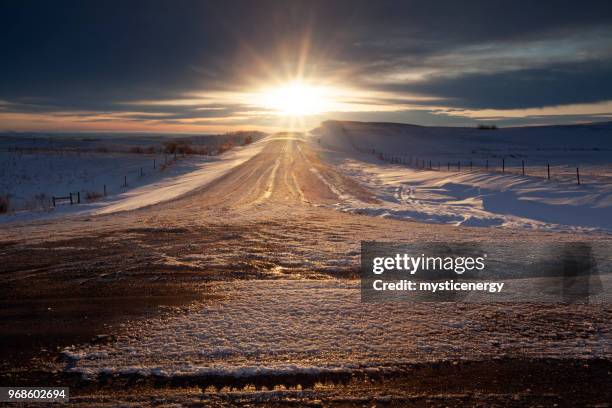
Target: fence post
(53, 198)
(487, 168)
(153, 164)
(548, 169)
(105, 190)
(430, 165)
(503, 165)
(578, 175)
(124, 181)
(470, 165)
(523, 164)
(78, 197)
(70, 198)
(448, 166)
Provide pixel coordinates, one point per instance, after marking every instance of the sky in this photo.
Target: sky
(215, 66)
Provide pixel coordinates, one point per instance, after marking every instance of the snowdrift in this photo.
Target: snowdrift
(480, 196)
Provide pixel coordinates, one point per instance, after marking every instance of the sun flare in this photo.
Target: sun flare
(297, 99)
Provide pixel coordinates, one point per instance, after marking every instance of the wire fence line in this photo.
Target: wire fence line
(502, 165)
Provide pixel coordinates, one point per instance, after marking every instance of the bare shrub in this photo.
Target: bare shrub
(203, 150)
(5, 203)
(184, 149)
(487, 127)
(224, 147)
(170, 147)
(93, 196)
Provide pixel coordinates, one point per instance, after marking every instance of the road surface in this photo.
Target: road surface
(180, 280)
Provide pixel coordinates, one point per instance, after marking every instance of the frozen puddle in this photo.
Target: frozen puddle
(320, 328)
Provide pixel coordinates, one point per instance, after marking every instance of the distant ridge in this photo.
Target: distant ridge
(356, 122)
(332, 122)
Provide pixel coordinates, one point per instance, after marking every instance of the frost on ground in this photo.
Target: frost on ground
(266, 327)
(478, 197)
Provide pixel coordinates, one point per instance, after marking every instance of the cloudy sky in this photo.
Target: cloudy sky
(204, 66)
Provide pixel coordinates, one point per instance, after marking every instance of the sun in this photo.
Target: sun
(296, 99)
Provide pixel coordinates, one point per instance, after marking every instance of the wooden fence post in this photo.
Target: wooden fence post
(105, 190)
(448, 166)
(487, 165)
(53, 198)
(548, 169)
(523, 163)
(153, 164)
(78, 197)
(578, 175)
(503, 165)
(124, 181)
(70, 198)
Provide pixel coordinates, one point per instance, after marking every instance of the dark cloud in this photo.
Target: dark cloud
(559, 84)
(95, 56)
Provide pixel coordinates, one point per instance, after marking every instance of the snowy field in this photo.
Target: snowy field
(31, 179)
(33, 170)
(478, 196)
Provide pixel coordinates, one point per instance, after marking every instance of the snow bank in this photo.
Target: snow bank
(474, 198)
(170, 188)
